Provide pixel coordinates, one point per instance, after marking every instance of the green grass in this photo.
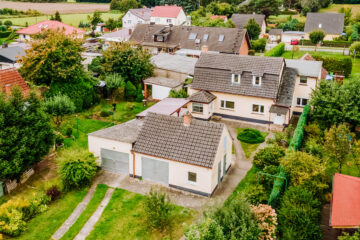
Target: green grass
(123, 218)
(43, 226)
(72, 19)
(355, 8)
(249, 148)
(86, 214)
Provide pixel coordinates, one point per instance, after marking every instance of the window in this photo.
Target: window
(168, 20)
(197, 107)
(301, 101)
(256, 108)
(235, 78)
(221, 38)
(157, 19)
(227, 104)
(191, 177)
(205, 37)
(192, 36)
(320, 25)
(257, 81)
(303, 80)
(129, 21)
(159, 38)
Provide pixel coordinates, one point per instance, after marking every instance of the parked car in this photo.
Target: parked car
(294, 41)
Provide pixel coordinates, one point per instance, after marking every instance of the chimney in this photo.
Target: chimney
(8, 90)
(187, 119)
(204, 49)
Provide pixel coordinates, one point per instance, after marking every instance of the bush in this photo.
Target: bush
(249, 135)
(139, 95)
(256, 194)
(269, 156)
(59, 139)
(258, 45)
(4, 34)
(327, 43)
(69, 131)
(130, 106)
(130, 91)
(267, 220)
(123, 5)
(178, 94)
(277, 51)
(77, 168)
(53, 192)
(355, 47)
(296, 141)
(251, 52)
(104, 113)
(336, 64)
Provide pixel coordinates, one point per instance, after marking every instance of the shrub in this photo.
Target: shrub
(3, 33)
(8, 23)
(251, 52)
(130, 90)
(53, 192)
(178, 94)
(269, 156)
(104, 113)
(130, 106)
(139, 95)
(77, 168)
(267, 220)
(347, 236)
(258, 45)
(256, 194)
(277, 51)
(336, 64)
(59, 139)
(355, 49)
(68, 131)
(250, 135)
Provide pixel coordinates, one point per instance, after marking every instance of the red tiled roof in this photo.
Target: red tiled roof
(218, 16)
(345, 203)
(9, 78)
(166, 11)
(52, 25)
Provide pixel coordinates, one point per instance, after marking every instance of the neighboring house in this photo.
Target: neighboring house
(10, 78)
(287, 36)
(240, 21)
(26, 33)
(308, 57)
(179, 152)
(275, 34)
(167, 106)
(345, 202)
(136, 16)
(331, 23)
(159, 38)
(170, 72)
(249, 88)
(168, 14)
(121, 35)
(308, 76)
(9, 57)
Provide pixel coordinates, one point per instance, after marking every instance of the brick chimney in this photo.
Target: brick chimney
(204, 49)
(8, 90)
(187, 119)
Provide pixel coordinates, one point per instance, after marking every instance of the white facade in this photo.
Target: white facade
(286, 37)
(179, 20)
(130, 20)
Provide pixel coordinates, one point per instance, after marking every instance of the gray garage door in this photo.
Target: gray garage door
(155, 170)
(115, 161)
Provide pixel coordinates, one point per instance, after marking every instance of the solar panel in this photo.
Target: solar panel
(192, 36)
(205, 37)
(221, 38)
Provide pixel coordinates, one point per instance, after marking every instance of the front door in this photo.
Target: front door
(279, 119)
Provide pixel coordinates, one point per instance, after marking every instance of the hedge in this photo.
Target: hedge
(249, 135)
(277, 188)
(296, 141)
(94, 1)
(336, 64)
(258, 45)
(277, 51)
(5, 34)
(327, 43)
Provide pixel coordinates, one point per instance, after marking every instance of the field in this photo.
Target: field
(72, 19)
(355, 8)
(51, 8)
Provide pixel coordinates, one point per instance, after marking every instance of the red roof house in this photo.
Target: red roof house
(345, 202)
(9, 78)
(168, 14)
(45, 25)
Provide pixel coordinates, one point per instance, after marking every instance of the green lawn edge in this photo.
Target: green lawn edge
(87, 213)
(249, 148)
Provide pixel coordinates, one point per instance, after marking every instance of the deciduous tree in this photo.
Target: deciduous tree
(316, 36)
(59, 106)
(253, 29)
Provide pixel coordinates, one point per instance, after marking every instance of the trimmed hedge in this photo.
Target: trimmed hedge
(277, 51)
(296, 141)
(249, 135)
(327, 43)
(336, 64)
(258, 45)
(5, 34)
(277, 188)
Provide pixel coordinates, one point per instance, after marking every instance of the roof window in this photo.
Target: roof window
(221, 38)
(192, 36)
(205, 37)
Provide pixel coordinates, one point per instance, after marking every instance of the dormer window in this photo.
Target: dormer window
(257, 81)
(159, 38)
(235, 78)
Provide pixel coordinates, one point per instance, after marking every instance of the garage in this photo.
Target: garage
(114, 161)
(162, 86)
(155, 170)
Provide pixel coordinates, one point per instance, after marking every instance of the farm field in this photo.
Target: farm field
(355, 8)
(51, 8)
(72, 19)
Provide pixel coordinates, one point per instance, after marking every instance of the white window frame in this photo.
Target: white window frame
(199, 105)
(157, 19)
(301, 101)
(305, 78)
(235, 77)
(190, 181)
(224, 107)
(260, 107)
(169, 20)
(254, 80)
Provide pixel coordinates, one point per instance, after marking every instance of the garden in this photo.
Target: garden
(250, 139)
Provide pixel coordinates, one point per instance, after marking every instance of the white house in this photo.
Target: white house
(135, 16)
(178, 152)
(165, 15)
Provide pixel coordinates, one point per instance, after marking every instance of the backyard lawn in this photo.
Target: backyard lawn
(123, 218)
(249, 148)
(355, 8)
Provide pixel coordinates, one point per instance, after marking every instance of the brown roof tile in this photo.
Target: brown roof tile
(11, 78)
(202, 97)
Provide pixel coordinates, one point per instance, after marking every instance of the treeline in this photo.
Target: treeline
(347, 1)
(39, 1)
(14, 12)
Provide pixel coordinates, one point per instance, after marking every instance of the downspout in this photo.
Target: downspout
(133, 153)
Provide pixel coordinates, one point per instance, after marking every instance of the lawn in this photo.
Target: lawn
(86, 214)
(249, 148)
(355, 8)
(72, 19)
(43, 226)
(123, 218)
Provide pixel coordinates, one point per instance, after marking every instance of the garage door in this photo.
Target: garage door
(160, 92)
(114, 161)
(155, 170)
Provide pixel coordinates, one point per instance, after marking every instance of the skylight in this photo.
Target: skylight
(205, 37)
(221, 38)
(192, 36)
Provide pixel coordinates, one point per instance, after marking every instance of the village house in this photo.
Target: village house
(121, 35)
(275, 34)
(262, 90)
(11, 78)
(191, 39)
(178, 152)
(331, 23)
(169, 14)
(9, 57)
(240, 21)
(43, 26)
(136, 16)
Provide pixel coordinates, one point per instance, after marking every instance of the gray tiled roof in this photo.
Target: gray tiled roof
(240, 20)
(287, 87)
(165, 82)
(11, 53)
(213, 73)
(305, 68)
(175, 63)
(331, 23)
(179, 37)
(275, 31)
(143, 13)
(125, 132)
(167, 137)
(202, 97)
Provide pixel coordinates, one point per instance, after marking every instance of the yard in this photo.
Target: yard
(355, 8)
(249, 148)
